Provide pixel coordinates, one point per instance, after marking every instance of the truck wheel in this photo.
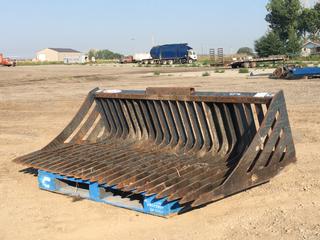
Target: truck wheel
(170, 62)
(253, 64)
(146, 62)
(190, 61)
(164, 62)
(151, 62)
(245, 65)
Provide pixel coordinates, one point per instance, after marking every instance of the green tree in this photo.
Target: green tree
(315, 35)
(269, 44)
(286, 28)
(283, 15)
(103, 54)
(107, 54)
(309, 23)
(245, 50)
(317, 7)
(294, 44)
(91, 53)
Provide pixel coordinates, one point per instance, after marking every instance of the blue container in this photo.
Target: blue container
(305, 71)
(170, 51)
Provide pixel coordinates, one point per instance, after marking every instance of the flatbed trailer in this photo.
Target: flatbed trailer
(245, 63)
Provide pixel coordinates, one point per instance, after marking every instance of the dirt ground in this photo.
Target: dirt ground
(37, 102)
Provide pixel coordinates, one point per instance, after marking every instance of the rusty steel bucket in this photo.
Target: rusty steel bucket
(174, 143)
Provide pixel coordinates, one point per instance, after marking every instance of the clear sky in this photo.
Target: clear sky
(128, 26)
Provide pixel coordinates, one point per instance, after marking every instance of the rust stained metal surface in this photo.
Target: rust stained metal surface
(169, 91)
(194, 147)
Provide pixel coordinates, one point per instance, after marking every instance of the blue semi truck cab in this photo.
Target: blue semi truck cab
(179, 53)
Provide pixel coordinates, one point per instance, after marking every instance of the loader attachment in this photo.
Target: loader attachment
(175, 144)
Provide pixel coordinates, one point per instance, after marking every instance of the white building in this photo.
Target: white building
(66, 55)
(310, 48)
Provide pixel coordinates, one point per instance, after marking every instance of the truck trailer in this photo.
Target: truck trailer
(6, 61)
(126, 59)
(171, 53)
(252, 62)
(142, 57)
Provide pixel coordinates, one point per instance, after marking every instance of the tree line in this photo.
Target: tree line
(103, 54)
(290, 24)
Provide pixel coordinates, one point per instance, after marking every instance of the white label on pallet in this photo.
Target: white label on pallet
(45, 181)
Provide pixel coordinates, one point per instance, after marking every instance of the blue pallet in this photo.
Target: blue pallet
(107, 194)
(305, 71)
